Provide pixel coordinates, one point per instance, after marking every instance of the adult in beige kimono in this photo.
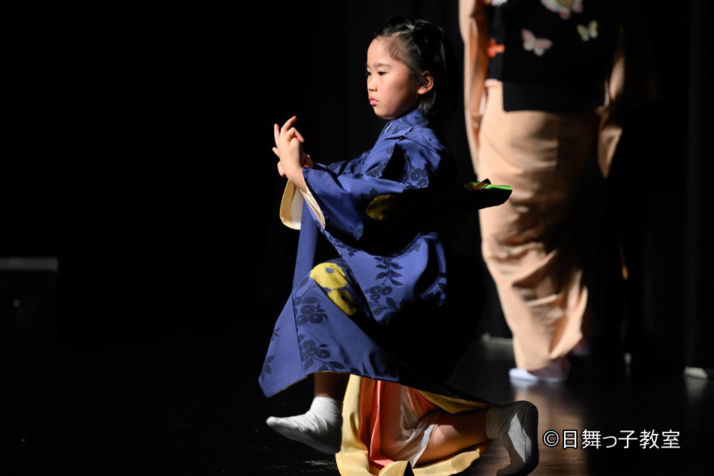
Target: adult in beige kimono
(528, 243)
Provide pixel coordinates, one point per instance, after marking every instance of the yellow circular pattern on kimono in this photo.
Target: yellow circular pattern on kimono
(343, 300)
(381, 207)
(329, 275)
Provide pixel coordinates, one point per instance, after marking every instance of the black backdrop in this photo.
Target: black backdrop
(138, 152)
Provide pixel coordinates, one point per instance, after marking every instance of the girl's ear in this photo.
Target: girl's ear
(427, 83)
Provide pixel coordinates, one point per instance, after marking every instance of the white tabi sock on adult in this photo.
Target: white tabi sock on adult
(320, 427)
(556, 372)
(515, 425)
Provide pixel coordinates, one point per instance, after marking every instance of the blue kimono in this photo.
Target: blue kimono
(381, 307)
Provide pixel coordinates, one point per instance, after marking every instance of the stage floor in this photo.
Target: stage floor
(186, 402)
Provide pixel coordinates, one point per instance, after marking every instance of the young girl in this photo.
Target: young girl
(383, 312)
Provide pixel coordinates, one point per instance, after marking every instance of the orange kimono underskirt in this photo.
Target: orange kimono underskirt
(363, 414)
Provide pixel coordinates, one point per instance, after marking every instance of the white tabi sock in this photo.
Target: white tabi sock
(515, 425)
(556, 372)
(320, 427)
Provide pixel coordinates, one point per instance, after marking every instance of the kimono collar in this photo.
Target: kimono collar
(410, 119)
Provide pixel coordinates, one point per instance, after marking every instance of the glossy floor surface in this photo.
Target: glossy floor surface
(186, 402)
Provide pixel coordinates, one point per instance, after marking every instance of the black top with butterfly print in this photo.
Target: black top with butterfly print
(551, 55)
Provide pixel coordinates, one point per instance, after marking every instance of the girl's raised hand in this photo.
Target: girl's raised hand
(288, 148)
(305, 159)
(284, 136)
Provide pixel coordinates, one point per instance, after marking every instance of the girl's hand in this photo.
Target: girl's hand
(288, 148)
(306, 162)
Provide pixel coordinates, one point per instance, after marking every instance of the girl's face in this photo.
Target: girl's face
(392, 91)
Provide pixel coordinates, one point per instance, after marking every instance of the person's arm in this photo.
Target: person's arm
(473, 22)
(363, 208)
(288, 148)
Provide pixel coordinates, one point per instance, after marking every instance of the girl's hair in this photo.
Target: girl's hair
(423, 46)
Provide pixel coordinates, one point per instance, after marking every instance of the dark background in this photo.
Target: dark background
(137, 151)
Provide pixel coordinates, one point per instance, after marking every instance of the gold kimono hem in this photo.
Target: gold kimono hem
(291, 206)
(353, 458)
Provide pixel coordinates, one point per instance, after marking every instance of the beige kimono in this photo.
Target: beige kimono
(528, 243)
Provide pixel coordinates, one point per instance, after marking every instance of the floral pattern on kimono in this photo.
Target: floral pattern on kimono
(371, 310)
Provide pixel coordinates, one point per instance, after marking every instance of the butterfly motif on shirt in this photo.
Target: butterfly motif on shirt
(588, 31)
(536, 45)
(563, 7)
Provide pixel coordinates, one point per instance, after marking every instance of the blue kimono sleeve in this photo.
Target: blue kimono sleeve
(379, 195)
(345, 166)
